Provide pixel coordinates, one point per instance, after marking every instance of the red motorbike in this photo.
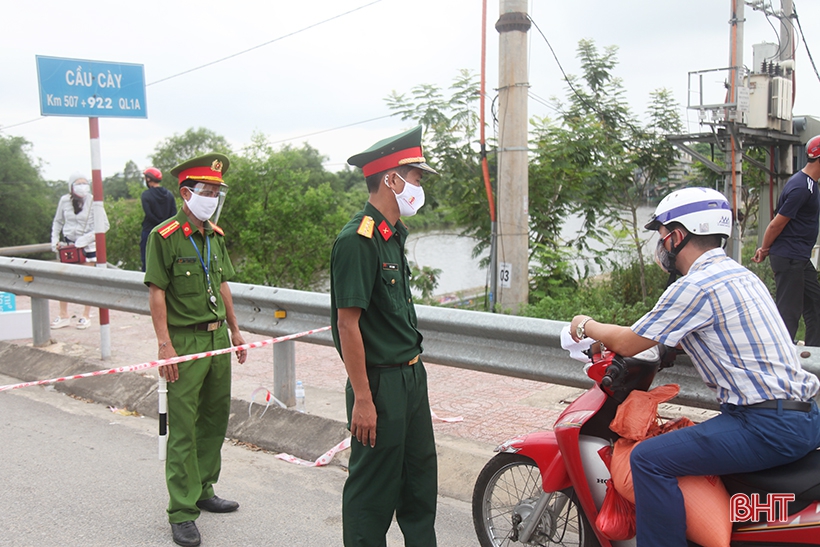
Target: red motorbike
(546, 488)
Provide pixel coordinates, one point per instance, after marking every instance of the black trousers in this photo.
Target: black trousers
(797, 294)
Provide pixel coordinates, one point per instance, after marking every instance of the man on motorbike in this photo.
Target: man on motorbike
(723, 316)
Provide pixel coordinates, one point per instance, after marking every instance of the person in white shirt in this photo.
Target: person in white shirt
(74, 225)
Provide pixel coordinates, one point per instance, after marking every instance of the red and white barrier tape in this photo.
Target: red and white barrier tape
(446, 420)
(322, 460)
(162, 362)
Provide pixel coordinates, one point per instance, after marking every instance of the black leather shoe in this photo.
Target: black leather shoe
(217, 505)
(186, 533)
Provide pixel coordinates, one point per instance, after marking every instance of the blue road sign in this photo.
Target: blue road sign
(77, 87)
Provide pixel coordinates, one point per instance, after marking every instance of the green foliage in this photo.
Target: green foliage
(179, 148)
(27, 202)
(597, 160)
(457, 196)
(615, 298)
(282, 215)
(122, 241)
(424, 280)
(126, 184)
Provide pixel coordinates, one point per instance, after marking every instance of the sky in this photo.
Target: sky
(318, 85)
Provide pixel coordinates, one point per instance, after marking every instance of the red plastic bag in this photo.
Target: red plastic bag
(616, 519)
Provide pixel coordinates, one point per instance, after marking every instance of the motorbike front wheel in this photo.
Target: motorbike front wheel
(507, 492)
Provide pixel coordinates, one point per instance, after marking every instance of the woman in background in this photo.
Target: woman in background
(74, 225)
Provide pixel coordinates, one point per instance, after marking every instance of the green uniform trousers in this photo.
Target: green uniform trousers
(199, 404)
(398, 475)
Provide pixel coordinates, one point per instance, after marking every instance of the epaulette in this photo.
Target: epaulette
(366, 227)
(216, 228)
(168, 229)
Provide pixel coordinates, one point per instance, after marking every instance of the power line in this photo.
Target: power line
(336, 128)
(264, 44)
(4, 127)
(586, 103)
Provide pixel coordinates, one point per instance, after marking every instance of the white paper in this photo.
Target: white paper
(576, 349)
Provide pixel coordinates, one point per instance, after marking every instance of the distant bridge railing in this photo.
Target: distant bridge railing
(515, 346)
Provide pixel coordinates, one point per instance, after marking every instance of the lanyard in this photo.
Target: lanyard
(206, 267)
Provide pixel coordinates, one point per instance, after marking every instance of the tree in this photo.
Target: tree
(451, 146)
(281, 220)
(598, 160)
(125, 184)
(27, 202)
(179, 148)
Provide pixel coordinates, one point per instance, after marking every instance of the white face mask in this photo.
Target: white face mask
(81, 190)
(202, 208)
(411, 198)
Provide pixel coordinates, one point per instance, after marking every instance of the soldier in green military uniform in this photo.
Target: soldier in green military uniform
(393, 453)
(187, 269)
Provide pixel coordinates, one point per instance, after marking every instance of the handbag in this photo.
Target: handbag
(71, 254)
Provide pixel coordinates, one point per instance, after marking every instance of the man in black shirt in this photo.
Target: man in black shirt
(158, 203)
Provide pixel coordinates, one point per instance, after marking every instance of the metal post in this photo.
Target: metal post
(99, 227)
(284, 372)
(513, 155)
(40, 322)
(734, 153)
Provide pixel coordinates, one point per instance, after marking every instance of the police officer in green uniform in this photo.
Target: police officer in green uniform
(187, 269)
(393, 453)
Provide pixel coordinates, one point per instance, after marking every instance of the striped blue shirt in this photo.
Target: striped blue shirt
(725, 319)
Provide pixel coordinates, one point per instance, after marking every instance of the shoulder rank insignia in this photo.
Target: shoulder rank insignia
(216, 228)
(366, 227)
(168, 229)
(187, 230)
(385, 230)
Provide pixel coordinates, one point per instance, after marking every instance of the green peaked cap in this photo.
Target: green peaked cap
(208, 168)
(395, 151)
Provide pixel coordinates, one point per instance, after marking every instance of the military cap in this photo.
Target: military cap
(402, 149)
(208, 168)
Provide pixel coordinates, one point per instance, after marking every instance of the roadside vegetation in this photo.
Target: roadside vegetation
(594, 159)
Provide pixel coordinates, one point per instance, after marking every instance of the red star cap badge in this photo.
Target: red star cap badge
(385, 231)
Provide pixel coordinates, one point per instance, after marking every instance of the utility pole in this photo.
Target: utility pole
(734, 117)
(781, 156)
(512, 271)
(787, 35)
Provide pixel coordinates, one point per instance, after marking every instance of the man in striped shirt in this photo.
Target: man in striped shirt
(723, 316)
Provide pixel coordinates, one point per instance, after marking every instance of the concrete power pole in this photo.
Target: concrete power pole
(512, 271)
(787, 36)
(734, 152)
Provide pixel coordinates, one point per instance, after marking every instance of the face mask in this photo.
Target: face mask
(81, 190)
(664, 258)
(411, 198)
(202, 208)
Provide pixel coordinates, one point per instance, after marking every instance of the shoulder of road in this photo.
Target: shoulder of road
(494, 408)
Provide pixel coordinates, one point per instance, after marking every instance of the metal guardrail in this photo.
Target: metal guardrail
(22, 250)
(521, 347)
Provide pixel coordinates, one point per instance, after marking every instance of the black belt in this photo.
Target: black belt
(785, 404)
(411, 362)
(207, 326)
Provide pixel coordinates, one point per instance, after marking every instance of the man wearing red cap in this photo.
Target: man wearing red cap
(393, 453)
(188, 268)
(157, 203)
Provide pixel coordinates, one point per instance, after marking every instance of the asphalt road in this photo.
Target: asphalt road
(72, 473)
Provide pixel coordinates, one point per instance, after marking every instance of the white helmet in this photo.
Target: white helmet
(702, 211)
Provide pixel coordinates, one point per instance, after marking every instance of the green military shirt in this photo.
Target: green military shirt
(371, 273)
(173, 265)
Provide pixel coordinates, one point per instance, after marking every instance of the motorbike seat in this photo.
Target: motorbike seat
(801, 477)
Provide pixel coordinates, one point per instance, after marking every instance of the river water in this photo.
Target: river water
(460, 272)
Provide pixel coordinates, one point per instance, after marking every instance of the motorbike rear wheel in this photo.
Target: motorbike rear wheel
(507, 490)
